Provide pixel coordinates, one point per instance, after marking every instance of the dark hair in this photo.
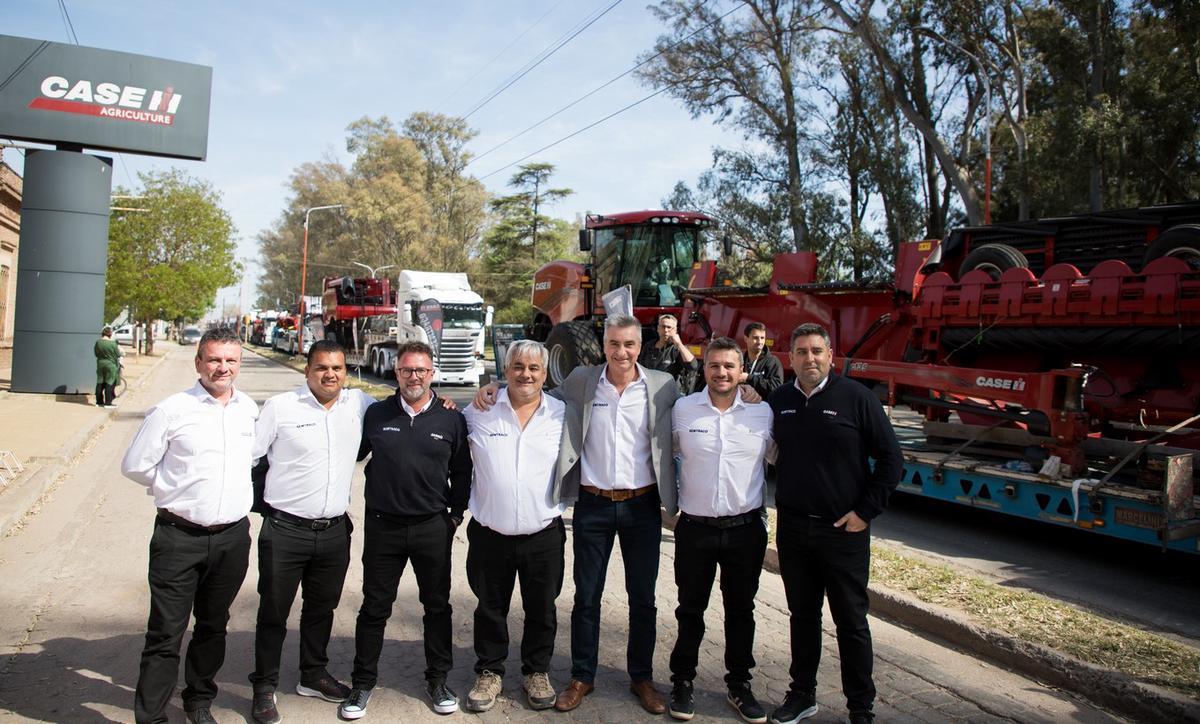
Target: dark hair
(808, 329)
(721, 344)
(218, 335)
(324, 346)
(413, 347)
(754, 327)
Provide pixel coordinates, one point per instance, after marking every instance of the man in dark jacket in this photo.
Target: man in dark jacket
(760, 368)
(669, 354)
(828, 430)
(418, 483)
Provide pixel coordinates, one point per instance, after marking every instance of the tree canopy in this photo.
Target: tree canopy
(168, 258)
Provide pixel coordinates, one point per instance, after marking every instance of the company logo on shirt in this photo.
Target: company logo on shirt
(436, 436)
(304, 424)
(390, 429)
(831, 413)
(599, 404)
(787, 412)
(701, 430)
(497, 434)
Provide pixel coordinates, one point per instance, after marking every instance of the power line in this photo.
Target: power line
(489, 64)
(62, 5)
(541, 58)
(602, 86)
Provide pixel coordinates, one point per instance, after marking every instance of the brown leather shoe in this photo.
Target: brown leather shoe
(572, 696)
(649, 697)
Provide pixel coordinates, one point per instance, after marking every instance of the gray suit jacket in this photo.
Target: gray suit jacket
(578, 391)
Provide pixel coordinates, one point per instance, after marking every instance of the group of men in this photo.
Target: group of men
(616, 440)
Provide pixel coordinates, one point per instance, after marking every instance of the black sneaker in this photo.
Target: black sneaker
(263, 709)
(861, 717)
(741, 698)
(795, 706)
(326, 687)
(355, 705)
(200, 716)
(683, 703)
(444, 700)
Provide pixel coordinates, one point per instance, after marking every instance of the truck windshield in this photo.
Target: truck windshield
(655, 260)
(462, 316)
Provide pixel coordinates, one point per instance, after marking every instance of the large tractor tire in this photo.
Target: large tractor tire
(571, 345)
(995, 259)
(1181, 242)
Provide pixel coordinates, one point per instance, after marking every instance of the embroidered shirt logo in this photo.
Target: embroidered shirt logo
(390, 429)
(831, 413)
(436, 436)
(787, 412)
(698, 429)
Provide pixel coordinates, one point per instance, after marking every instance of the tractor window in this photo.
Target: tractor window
(655, 260)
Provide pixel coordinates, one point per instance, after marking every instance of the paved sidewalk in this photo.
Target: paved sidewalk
(75, 601)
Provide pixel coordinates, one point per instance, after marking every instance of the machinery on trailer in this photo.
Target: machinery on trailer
(360, 315)
(1051, 367)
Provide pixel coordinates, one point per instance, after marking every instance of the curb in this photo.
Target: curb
(22, 494)
(1111, 689)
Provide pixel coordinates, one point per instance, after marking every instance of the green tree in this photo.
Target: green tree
(521, 239)
(168, 259)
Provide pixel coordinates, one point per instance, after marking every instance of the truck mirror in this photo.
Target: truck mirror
(585, 239)
(727, 245)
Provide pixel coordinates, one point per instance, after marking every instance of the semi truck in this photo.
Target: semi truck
(1047, 369)
(370, 318)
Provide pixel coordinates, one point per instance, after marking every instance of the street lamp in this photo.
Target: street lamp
(987, 119)
(304, 266)
(372, 269)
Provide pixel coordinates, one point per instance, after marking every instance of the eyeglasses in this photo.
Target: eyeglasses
(413, 371)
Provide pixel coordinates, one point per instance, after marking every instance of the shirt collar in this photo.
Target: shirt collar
(305, 393)
(411, 412)
(641, 378)
(502, 399)
(820, 386)
(704, 400)
(203, 395)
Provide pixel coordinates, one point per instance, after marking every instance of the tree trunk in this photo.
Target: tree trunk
(1095, 30)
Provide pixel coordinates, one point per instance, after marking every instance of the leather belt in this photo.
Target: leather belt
(310, 523)
(170, 518)
(618, 495)
(725, 521)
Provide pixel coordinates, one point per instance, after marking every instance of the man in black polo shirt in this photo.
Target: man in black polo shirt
(828, 430)
(418, 483)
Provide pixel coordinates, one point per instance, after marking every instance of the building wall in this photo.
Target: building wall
(10, 233)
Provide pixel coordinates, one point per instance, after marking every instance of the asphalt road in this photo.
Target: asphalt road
(1134, 582)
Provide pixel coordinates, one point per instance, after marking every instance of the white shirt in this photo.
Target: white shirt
(312, 450)
(616, 450)
(514, 468)
(413, 412)
(194, 455)
(720, 454)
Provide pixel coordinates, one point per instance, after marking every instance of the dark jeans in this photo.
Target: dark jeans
(105, 394)
(815, 560)
(699, 550)
(291, 556)
(638, 524)
(388, 546)
(494, 562)
(190, 570)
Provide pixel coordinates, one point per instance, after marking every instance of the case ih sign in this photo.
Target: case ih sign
(100, 99)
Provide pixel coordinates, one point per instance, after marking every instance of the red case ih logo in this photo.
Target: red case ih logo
(108, 100)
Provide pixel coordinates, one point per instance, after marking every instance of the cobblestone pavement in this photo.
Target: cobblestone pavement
(74, 597)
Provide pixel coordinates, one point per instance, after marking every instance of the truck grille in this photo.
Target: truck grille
(456, 354)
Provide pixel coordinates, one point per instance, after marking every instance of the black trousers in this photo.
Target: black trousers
(388, 546)
(817, 560)
(699, 550)
(289, 557)
(105, 393)
(494, 562)
(191, 571)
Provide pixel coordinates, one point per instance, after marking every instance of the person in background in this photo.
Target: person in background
(760, 369)
(669, 354)
(108, 368)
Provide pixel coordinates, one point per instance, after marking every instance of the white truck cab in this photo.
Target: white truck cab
(441, 310)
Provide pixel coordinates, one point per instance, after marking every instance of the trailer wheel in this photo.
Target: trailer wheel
(995, 259)
(1181, 242)
(571, 345)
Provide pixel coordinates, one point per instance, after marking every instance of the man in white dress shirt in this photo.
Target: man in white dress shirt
(193, 453)
(721, 442)
(310, 437)
(516, 529)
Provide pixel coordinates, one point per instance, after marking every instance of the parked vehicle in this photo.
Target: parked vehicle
(190, 335)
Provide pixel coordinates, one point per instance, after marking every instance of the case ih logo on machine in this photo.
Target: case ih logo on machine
(109, 100)
(1000, 383)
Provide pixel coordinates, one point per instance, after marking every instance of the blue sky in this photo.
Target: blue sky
(289, 76)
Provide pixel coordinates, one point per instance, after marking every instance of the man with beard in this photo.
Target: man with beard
(418, 483)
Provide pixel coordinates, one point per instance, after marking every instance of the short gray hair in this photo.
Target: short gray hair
(526, 347)
(621, 321)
